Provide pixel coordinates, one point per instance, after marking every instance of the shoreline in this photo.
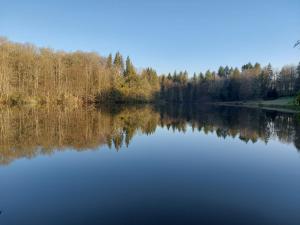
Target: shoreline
(281, 104)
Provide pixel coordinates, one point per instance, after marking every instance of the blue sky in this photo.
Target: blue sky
(167, 35)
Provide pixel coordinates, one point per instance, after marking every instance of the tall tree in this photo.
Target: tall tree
(109, 61)
(208, 75)
(297, 83)
(247, 66)
(221, 72)
(119, 63)
(129, 70)
(227, 71)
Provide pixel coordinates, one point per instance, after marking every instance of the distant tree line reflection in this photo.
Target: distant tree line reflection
(29, 132)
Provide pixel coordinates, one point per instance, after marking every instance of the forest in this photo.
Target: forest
(33, 75)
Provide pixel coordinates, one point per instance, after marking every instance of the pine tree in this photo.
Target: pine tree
(271, 78)
(151, 76)
(194, 79)
(109, 61)
(257, 69)
(227, 71)
(208, 75)
(297, 82)
(234, 85)
(221, 71)
(118, 62)
(257, 66)
(247, 67)
(129, 71)
(264, 81)
(201, 77)
(175, 76)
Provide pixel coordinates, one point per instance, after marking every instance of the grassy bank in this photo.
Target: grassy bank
(282, 104)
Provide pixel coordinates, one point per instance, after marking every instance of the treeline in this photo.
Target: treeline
(29, 74)
(41, 75)
(231, 84)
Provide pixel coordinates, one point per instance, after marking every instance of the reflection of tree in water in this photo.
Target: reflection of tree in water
(29, 132)
(247, 123)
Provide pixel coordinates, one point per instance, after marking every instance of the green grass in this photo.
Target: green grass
(282, 104)
(284, 101)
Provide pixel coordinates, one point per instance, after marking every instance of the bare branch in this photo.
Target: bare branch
(297, 44)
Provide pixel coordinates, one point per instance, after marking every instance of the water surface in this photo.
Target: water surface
(149, 165)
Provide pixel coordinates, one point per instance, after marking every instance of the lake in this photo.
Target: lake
(175, 164)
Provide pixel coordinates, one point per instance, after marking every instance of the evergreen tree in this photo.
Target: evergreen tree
(257, 66)
(183, 79)
(247, 66)
(221, 72)
(257, 69)
(270, 70)
(227, 71)
(271, 77)
(151, 77)
(208, 75)
(201, 77)
(109, 61)
(230, 72)
(236, 73)
(130, 70)
(194, 88)
(234, 85)
(264, 81)
(118, 62)
(163, 87)
(194, 79)
(297, 82)
(175, 77)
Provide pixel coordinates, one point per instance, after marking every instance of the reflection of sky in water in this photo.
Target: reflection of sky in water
(167, 177)
(30, 132)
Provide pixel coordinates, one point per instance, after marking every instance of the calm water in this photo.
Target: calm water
(149, 165)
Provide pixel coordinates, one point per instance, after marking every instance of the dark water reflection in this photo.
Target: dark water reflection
(30, 132)
(149, 165)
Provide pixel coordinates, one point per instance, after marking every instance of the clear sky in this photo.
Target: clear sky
(167, 35)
